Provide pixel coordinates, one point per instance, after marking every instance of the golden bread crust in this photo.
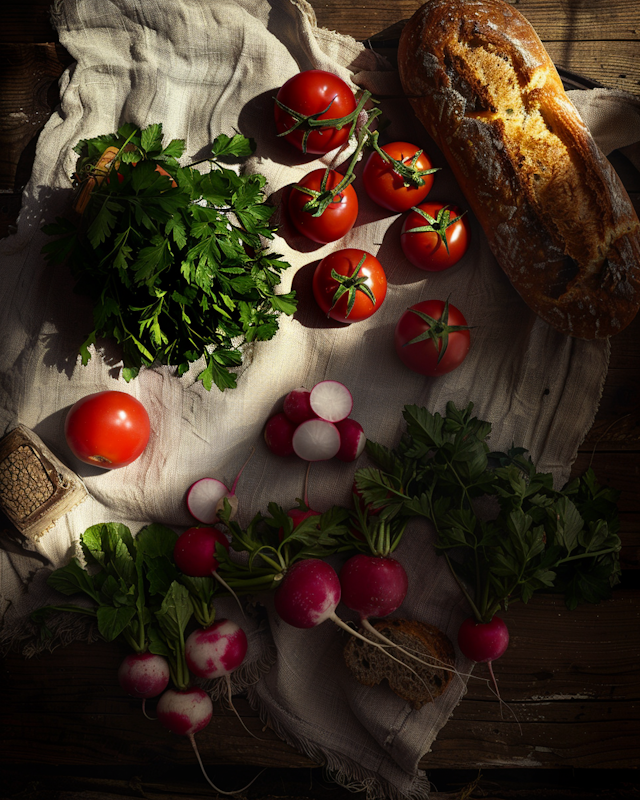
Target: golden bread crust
(555, 212)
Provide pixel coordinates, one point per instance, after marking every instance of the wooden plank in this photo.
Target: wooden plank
(29, 95)
(587, 20)
(570, 678)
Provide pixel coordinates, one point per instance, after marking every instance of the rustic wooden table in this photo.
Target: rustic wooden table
(572, 678)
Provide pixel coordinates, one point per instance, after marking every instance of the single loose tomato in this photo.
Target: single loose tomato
(349, 285)
(108, 429)
(400, 180)
(434, 236)
(432, 338)
(340, 213)
(307, 98)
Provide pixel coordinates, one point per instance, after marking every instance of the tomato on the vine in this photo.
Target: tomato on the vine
(339, 215)
(310, 96)
(435, 236)
(349, 285)
(432, 338)
(398, 186)
(108, 429)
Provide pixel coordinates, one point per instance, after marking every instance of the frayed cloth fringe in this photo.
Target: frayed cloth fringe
(242, 678)
(341, 770)
(62, 629)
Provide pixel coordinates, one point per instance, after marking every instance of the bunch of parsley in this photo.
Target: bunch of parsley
(135, 592)
(504, 529)
(175, 273)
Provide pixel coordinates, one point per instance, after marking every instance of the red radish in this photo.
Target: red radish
(278, 434)
(297, 406)
(484, 642)
(185, 712)
(316, 440)
(352, 439)
(309, 594)
(205, 497)
(195, 551)
(331, 400)
(297, 514)
(195, 554)
(374, 586)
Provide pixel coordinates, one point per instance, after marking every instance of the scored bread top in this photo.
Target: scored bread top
(556, 215)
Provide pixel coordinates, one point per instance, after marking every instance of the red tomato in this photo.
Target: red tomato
(439, 239)
(108, 429)
(349, 285)
(432, 338)
(337, 219)
(318, 94)
(387, 187)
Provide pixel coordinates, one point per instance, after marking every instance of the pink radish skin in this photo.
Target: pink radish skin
(331, 400)
(143, 675)
(185, 712)
(206, 497)
(374, 586)
(316, 440)
(216, 651)
(297, 406)
(483, 641)
(308, 594)
(195, 551)
(278, 434)
(352, 439)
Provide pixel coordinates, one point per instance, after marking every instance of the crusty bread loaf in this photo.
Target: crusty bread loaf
(556, 215)
(420, 683)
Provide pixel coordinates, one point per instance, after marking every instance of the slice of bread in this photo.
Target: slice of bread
(418, 683)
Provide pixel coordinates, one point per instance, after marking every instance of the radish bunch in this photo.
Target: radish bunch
(315, 425)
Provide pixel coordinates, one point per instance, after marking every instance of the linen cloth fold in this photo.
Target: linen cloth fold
(205, 67)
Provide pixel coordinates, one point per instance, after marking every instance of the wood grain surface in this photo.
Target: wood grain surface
(570, 681)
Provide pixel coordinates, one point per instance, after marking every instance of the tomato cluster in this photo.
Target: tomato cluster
(317, 112)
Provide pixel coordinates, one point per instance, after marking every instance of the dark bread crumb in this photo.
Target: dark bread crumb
(419, 684)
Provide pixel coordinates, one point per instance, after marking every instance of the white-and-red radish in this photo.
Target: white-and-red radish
(144, 675)
(331, 400)
(206, 497)
(316, 440)
(297, 406)
(194, 554)
(352, 439)
(185, 712)
(216, 652)
(278, 434)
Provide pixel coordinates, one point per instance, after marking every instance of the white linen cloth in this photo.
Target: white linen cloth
(204, 67)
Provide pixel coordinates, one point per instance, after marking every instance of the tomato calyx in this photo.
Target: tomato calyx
(437, 225)
(438, 330)
(406, 169)
(321, 199)
(351, 285)
(312, 122)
